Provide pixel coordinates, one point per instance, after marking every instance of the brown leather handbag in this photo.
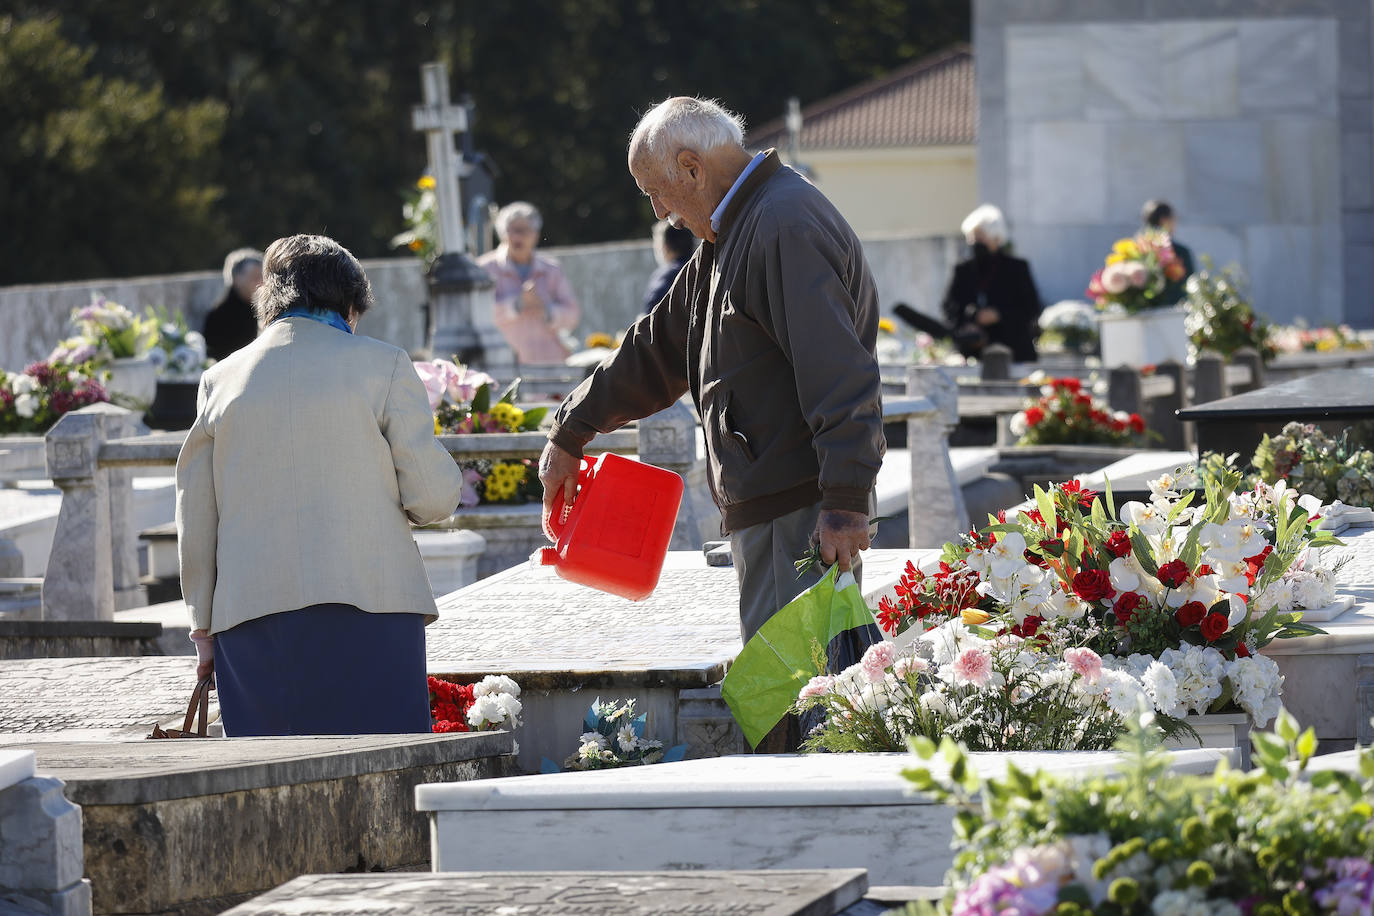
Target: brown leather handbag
(199, 699)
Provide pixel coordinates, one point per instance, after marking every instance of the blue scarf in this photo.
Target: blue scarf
(331, 318)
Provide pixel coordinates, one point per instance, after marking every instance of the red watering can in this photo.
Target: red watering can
(616, 534)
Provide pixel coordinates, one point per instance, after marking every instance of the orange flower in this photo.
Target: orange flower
(973, 617)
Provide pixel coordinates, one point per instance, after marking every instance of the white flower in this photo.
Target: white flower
(495, 683)
(1313, 592)
(1160, 685)
(1125, 573)
(594, 738)
(1195, 588)
(1007, 556)
(1256, 685)
(490, 710)
(1148, 519)
(26, 405)
(23, 383)
(934, 702)
(626, 738)
(1019, 425)
(511, 706)
(1123, 692)
(1198, 672)
(1231, 575)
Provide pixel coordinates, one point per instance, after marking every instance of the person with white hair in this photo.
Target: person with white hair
(992, 297)
(231, 325)
(772, 327)
(534, 301)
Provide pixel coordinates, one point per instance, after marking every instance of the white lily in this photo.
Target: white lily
(1195, 588)
(1125, 573)
(1007, 555)
(1231, 575)
(1148, 519)
(1238, 611)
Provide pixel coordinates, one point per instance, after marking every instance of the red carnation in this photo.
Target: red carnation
(1034, 415)
(1137, 423)
(1126, 606)
(1242, 651)
(1214, 626)
(1173, 574)
(1093, 585)
(1190, 613)
(1119, 543)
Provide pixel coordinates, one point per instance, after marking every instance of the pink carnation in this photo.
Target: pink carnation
(817, 686)
(877, 659)
(1085, 662)
(973, 666)
(909, 663)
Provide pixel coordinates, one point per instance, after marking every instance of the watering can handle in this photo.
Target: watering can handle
(558, 519)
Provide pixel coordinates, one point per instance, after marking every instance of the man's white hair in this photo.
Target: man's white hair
(518, 210)
(683, 123)
(989, 219)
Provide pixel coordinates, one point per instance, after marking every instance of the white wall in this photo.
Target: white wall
(608, 280)
(915, 190)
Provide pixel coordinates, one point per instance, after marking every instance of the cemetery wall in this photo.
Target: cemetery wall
(608, 280)
(1252, 117)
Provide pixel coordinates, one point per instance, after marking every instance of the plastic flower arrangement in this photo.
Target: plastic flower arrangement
(1067, 414)
(1136, 273)
(1166, 602)
(421, 213)
(116, 332)
(1277, 840)
(490, 704)
(613, 736)
(1220, 317)
(33, 400)
(179, 351)
(1298, 338)
(1315, 464)
(1069, 326)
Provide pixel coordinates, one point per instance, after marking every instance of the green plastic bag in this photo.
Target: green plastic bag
(777, 662)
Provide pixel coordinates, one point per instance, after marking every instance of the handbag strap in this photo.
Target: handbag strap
(200, 697)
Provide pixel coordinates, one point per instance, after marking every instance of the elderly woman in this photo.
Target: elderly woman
(231, 324)
(533, 299)
(312, 452)
(992, 298)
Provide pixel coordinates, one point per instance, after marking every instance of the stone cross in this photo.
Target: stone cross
(460, 321)
(440, 120)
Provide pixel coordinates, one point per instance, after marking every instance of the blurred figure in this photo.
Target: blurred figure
(533, 299)
(231, 324)
(673, 247)
(991, 297)
(1158, 216)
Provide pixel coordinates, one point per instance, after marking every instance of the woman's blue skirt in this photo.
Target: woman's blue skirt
(327, 669)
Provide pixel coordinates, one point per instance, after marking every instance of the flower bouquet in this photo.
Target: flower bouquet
(1315, 464)
(1298, 338)
(421, 213)
(1136, 273)
(490, 704)
(33, 400)
(613, 736)
(1066, 414)
(1071, 610)
(1270, 842)
(1220, 317)
(1069, 327)
(179, 353)
(114, 331)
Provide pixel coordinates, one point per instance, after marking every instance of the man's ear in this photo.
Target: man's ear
(691, 165)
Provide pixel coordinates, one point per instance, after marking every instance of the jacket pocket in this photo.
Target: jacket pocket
(731, 432)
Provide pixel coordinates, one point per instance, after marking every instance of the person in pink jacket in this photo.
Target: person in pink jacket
(533, 299)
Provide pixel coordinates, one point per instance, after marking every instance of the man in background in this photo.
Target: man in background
(232, 324)
(673, 247)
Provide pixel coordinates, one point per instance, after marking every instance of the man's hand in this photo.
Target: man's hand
(841, 535)
(987, 316)
(558, 470)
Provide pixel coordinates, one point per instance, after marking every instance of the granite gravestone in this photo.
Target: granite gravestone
(712, 893)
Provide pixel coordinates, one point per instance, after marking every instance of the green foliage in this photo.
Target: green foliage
(1219, 314)
(308, 128)
(1118, 841)
(100, 174)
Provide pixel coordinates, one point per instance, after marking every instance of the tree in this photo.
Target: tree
(97, 175)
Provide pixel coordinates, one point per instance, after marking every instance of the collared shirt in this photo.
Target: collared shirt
(725, 201)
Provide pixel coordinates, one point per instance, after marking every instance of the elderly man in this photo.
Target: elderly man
(771, 326)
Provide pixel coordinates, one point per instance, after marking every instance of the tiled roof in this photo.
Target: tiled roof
(929, 102)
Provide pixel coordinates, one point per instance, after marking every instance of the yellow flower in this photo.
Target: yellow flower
(1116, 258)
(438, 427)
(973, 617)
(887, 326)
(600, 339)
(426, 183)
(1126, 247)
(415, 245)
(508, 415)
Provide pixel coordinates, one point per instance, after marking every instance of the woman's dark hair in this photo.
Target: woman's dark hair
(1155, 212)
(311, 272)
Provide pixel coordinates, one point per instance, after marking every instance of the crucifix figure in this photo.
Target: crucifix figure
(460, 291)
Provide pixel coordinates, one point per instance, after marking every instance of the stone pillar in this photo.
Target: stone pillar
(11, 559)
(668, 439)
(1123, 389)
(461, 322)
(41, 858)
(1209, 378)
(79, 583)
(935, 502)
(1248, 356)
(1163, 417)
(1364, 700)
(996, 359)
(123, 529)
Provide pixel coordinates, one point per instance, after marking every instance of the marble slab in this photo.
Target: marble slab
(706, 893)
(16, 765)
(755, 811)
